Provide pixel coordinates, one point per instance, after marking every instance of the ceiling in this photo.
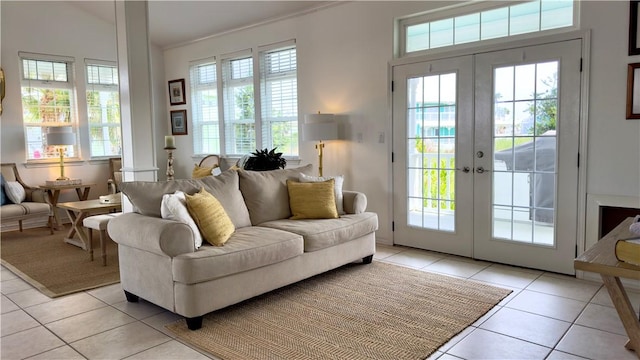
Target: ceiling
(177, 22)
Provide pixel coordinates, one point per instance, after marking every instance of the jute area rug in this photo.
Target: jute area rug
(376, 311)
(54, 267)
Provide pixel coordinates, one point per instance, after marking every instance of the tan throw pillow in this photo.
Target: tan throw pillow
(202, 171)
(214, 223)
(313, 200)
(265, 192)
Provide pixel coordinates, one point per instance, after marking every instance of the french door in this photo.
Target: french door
(485, 155)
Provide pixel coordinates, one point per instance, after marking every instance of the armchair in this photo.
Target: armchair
(34, 205)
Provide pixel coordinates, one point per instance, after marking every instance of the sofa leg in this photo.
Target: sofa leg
(131, 297)
(194, 323)
(367, 259)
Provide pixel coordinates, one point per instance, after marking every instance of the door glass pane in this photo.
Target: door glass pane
(431, 131)
(525, 107)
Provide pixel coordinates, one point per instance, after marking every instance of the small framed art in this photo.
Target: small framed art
(179, 122)
(176, 92)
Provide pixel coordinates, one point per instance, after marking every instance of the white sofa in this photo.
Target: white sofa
(159, 261)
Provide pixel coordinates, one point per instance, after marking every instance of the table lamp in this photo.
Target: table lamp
(60, 137)
(319, 127)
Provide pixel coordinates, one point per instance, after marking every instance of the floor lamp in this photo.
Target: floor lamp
(60, 137)
(319, 127)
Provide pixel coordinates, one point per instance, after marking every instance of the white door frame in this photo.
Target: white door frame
(585, 36)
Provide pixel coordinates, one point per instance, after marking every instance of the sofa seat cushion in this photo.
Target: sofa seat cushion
(324, 233)
(26, 208)
(248, 248)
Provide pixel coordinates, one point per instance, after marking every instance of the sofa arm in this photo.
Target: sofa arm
(354, 202)
(155, 235)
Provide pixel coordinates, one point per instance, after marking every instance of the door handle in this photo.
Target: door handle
(481, 170)
(465, 169)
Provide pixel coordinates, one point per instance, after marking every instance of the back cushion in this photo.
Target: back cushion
(266, 194)
(146, 196)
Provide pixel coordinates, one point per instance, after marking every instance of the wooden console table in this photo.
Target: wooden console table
(53, 194)
(601, 259)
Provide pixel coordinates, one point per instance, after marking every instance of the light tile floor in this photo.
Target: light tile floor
(547, 316)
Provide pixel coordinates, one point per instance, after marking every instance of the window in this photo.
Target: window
(103, 107)
(48, 100)
(204, 100)
(239, 106)
(279, 99)
(243, 119)
(423, 32)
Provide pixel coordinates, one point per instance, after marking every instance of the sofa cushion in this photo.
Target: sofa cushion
(265, 192)
(248, 248)
(146, 196)
(202, 171)
(214, 223)
(174, 207)
(312, 200)
(320, 234)
(26, 208)
(4, 199)
(339, 181)
(15, 192)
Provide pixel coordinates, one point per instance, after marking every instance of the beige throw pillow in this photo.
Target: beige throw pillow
(174, 207)
(214, 223)
(313, 200)
(265, 192)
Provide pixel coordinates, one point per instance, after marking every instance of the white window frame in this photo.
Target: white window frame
(226, 120)
(197, 115)
(230, 118)
(103, 87)
(267, 79)
(50, 155)
(460, 10)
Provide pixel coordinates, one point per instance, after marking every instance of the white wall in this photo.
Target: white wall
(58, 28)
(614, 143)
(343, 55)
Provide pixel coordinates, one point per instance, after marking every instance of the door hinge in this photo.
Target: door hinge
(393, 226)
(576, 255)
(392, 157)
(392, 86)
(578, 160)
(580, 64)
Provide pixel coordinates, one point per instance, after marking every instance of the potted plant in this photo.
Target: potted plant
(264, 160)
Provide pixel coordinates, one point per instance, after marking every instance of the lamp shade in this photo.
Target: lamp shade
(319, 127)
(61, 135)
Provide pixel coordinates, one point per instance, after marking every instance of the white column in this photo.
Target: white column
(134, 71)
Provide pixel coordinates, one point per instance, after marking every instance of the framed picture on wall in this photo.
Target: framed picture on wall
(633, 91)
(634, 32)
(176, 92)
(179, 122)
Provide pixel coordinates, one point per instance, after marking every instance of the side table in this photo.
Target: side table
(78, 211)
(53, 194)
(601, 259)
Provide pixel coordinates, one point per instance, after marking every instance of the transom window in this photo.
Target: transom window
(424, 32)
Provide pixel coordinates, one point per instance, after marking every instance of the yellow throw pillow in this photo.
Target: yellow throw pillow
(314, 200)
(214, 223)
(200, 171)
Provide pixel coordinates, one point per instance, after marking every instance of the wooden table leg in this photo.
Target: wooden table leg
(83, 194)
(625, 311)
(53, 196)
(77, 228)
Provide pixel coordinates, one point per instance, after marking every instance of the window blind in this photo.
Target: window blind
(204, 104)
